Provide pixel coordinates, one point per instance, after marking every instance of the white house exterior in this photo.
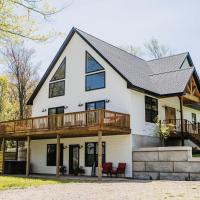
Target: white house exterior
(129, 81)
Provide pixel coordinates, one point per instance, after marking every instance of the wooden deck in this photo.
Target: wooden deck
(76, 124)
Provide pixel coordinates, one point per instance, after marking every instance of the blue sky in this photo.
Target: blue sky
(175, 23)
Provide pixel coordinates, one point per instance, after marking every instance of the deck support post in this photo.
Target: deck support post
(99, 155)
(28, 153)
(17, 147)
(182, 120)
(3, 146)
(58, 156)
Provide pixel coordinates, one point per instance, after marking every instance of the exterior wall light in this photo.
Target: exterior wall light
(107, 100)
(80, 146)
(65, 107)
(65, 147)
(80, 104)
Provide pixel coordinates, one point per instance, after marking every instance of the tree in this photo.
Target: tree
(155, 50)
(20, 19)
(23, 75)
(136, 51)
(7, 104)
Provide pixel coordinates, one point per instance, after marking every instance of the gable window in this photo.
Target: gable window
(57, 89)
(51, 154)
(95, 74)
(57, 83)
(91, 153)
(91, 64)
(151, 109)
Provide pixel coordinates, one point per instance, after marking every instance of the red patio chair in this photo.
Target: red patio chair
(119, 170)
(107, 168)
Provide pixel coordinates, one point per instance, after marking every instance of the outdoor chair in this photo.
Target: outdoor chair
(119, 170)
(107, 168)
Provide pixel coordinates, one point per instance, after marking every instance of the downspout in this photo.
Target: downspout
(182, 120)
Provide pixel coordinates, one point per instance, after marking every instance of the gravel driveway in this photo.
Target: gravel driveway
(126, 190)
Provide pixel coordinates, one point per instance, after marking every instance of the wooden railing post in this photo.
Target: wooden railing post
(28, 156)
(99, 155)
(58, 156)
(3, 154)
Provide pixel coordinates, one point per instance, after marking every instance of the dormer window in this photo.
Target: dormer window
(57, 83)
(95, 74)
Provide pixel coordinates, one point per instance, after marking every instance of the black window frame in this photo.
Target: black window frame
(53, 162)
(93, 74)
(95, 102)
(62, 107)
(95, 155)
(153, 113)
(86, 56)
(56, 83)
(62, 63)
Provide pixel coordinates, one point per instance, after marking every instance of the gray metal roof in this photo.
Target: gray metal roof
(158, 77)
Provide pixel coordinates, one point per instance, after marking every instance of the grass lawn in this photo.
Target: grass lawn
(7, 182)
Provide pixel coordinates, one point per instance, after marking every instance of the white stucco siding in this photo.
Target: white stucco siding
(116, 87)
(118, 149)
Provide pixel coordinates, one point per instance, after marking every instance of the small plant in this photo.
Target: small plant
(79, 171)
(163, 130)
(63, 170)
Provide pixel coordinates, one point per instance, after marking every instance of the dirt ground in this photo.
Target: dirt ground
(123, 190)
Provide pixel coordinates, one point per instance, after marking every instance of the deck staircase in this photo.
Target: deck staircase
(191, 131)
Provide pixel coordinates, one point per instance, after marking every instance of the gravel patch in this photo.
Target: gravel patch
(127, 190)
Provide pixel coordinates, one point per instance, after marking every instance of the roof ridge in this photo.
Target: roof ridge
(172, 71)
(167, 56)
(110, 44)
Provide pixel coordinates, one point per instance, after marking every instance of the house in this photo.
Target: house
(95, 97)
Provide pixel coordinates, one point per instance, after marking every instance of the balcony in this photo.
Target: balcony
(75, 124)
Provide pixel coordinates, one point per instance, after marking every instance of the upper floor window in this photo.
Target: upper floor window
(57, 89)
(91, 64)
(95, 74)
(60, 73)
(57, 83)
(151, 109)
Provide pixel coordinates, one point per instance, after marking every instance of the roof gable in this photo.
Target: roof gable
(145, 76)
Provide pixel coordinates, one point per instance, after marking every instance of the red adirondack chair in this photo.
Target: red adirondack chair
(119, 170)
(107, 168)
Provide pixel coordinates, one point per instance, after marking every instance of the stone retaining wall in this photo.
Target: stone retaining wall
(165, 163)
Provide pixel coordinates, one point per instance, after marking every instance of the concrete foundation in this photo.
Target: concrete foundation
(165, 163)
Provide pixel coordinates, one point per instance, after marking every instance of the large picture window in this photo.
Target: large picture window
(57, 89)
(151, 109)
(95, 81)
(95, 74)
(51, 154)
(91, 153)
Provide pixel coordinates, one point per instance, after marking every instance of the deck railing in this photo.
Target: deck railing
(100, 117)
(188, 127)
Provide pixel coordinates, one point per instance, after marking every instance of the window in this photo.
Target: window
(57, 89)
(194, 118)
(95, 105)
(91, 153)
(51, 154)
(91, 64)
(151, 109)
(57, 85)
(56, 110)
(93, 80)
(60, 73)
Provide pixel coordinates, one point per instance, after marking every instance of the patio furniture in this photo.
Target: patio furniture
(119, 170)
(107, 168)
